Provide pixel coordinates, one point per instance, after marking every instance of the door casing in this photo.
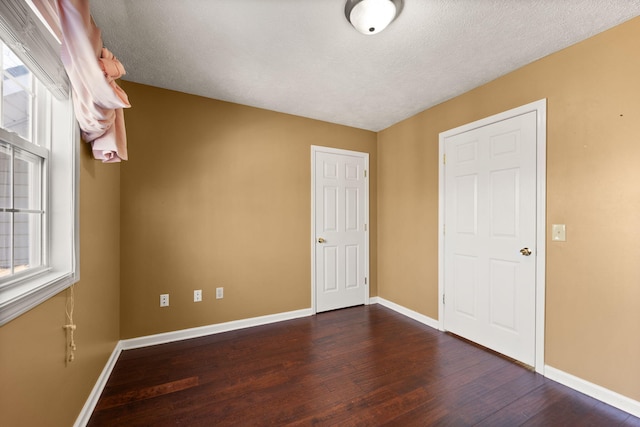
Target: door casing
(540, 107)
(315, 149)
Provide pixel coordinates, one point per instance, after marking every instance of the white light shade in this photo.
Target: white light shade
(372, 16)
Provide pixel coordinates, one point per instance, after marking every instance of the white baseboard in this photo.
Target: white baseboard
(590, 389)
(407, 312)
(218, 328)
(92, 400)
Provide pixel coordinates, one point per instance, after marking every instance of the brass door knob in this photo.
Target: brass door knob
(321, 240)
(525, 251)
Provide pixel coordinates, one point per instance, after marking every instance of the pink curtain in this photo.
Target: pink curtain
(92, 71)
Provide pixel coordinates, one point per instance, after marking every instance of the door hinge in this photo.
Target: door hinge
(365, 280)
(365, 173)
(444, 159)
(365, 227)
(442, 298)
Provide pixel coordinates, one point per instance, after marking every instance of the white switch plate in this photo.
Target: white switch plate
(558, 233)
(219, 293)
(197, 295)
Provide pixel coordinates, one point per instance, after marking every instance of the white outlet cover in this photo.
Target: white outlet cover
(197, 295)
(219, 293)
(164, 300)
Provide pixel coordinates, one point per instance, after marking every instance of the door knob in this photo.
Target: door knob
(525, 251)
(321, 240)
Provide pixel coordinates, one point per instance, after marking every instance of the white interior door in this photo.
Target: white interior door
(340, 243)
(490, 236)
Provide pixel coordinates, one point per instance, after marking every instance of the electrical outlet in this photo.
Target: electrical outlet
(219, 293)
(197, 295)
(164, 300)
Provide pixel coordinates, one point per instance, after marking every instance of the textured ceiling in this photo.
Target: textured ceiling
(302, 57)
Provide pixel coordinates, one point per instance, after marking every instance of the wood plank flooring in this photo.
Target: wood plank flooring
(362, 366)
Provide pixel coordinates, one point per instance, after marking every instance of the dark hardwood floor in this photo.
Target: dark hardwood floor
(366, 366)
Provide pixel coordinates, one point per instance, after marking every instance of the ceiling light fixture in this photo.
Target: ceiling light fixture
(371, 16)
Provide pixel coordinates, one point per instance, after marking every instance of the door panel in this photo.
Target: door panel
(465, 285)
(503, 289)
(490, 214)
(504, 203)
(330, 268)
(352, 201)
(330, 211)
(340, 233)
(467, 200)
(352, 255)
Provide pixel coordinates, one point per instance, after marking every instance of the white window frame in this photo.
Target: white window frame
(36, 144)
(61, 172)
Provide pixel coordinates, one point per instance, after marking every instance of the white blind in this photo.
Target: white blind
(33, 43)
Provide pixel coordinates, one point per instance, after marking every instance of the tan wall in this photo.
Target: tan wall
(36, 388)
(218, 195)
(593, 171)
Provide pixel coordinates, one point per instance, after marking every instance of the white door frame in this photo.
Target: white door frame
(316, 149)
(540, 107)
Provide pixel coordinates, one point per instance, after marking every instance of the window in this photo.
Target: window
(22, 168)
(39, 144)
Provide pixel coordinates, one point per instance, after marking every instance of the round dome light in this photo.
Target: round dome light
(372, 16)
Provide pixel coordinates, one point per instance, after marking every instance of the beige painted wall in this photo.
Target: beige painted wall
(593, 176)
(36, 388)
(218, 195)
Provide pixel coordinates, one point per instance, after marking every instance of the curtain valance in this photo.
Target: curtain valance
(92, 71)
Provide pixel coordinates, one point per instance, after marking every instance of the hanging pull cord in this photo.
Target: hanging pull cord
(70, 328)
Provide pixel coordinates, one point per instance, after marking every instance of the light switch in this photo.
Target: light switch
(558, 233)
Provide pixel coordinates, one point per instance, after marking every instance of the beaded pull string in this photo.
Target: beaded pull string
(70, 328)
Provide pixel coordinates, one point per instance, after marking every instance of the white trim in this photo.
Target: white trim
(367, 219)
(94, 396)
(540, 107)
(218, 328)
(21, 298)
(319, 149)
(541, 230)
(597, 392)
(61, 223)
(426, 320)
(441, 192)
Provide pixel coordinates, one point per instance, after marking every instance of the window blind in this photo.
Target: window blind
(27, 36)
